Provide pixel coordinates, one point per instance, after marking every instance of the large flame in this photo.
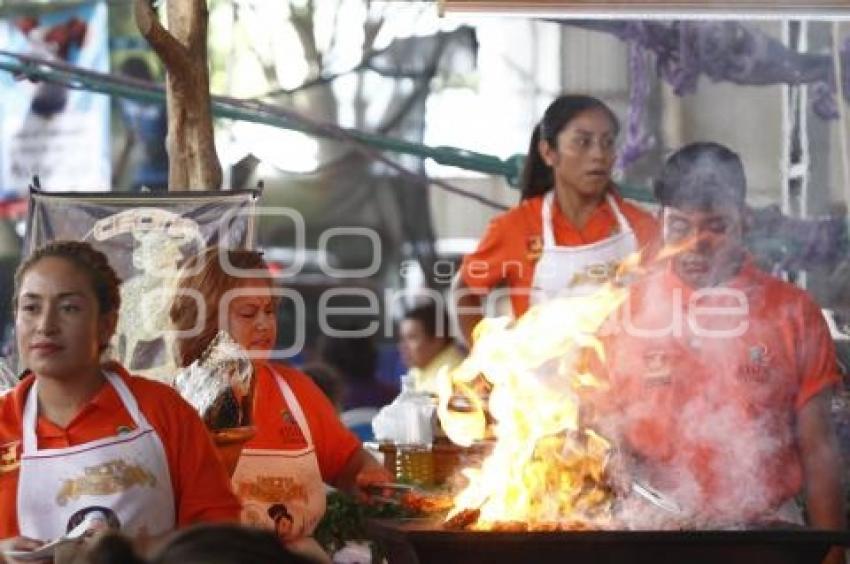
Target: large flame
(546, 470)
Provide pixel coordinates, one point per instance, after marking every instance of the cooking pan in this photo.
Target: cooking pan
(419, 541)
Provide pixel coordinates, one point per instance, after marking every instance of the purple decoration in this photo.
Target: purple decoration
(805, 243)
(638, 140)
(732, 52)
(822, 96)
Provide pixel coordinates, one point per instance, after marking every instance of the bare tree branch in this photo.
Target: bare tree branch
(172, 53)
(302, 21)
(265, 56)
(371, 28)
(192, 160)
(332, 42)
(197, 32)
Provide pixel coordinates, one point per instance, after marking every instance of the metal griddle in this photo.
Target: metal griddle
(416, 541)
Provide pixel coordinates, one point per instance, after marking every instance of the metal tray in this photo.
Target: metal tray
(417, 541)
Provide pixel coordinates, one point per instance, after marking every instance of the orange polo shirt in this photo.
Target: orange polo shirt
(277, 429)
(509, 249)
(706, 386)
(201, 486)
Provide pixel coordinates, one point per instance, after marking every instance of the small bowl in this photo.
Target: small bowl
(229, 444)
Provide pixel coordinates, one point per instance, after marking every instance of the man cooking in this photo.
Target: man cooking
(721, 375)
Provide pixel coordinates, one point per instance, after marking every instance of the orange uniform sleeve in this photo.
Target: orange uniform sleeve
(500, 255)
(10, 435)
(335, 444)
(815, 354)
(201, 485)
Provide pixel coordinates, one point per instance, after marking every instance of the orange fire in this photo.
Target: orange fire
(546, 470)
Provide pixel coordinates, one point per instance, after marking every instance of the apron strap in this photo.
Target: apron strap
(128, 399)
(546, 217)
(621, 219)
(293, 405)
(30, 443)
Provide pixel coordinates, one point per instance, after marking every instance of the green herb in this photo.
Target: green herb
(345, 520)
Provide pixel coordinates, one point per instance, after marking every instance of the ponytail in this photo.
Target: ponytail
(536, 177)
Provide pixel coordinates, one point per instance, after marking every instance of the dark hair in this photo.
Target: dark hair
(434, 320)
(105, 282)
(199, 544)
(111, 548)
(136, 67)
(225, 544)
(536, 177)
(702, 175)
(205, 274)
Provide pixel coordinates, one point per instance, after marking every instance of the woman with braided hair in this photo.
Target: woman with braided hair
(80, 437)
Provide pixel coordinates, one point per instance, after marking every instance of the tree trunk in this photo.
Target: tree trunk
(192, 159)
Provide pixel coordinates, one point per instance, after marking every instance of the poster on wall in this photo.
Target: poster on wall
(47, 130)
(147, 239)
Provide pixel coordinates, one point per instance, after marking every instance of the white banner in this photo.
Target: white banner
(60, 135)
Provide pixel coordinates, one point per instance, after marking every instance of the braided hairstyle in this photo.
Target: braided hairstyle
(105, 282)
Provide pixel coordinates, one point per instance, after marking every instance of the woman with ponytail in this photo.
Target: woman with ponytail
(571, 228)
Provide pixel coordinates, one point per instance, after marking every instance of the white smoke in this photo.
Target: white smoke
(711, 446)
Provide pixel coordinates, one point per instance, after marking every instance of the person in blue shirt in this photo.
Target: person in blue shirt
(146, 123)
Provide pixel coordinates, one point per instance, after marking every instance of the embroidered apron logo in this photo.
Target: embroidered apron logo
(108, 478)
(758, 362)
(10, 456)
(658, 367)
(534, 248)
(594, 274)
(271, 489)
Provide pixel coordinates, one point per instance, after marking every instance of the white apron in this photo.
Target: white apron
(125, 476)
(283, 489)
(578, 270)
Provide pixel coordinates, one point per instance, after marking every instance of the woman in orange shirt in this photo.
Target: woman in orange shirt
(300, 443)
(571, 227)
(82, 440)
